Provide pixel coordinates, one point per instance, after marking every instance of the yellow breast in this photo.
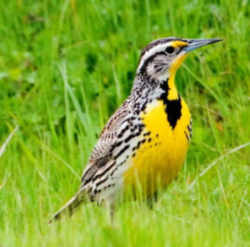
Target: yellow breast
(162, 154)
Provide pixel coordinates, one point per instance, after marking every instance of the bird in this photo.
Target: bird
(145, 142)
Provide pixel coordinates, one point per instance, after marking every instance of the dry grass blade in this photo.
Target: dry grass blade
(212, 164)
(3, 147)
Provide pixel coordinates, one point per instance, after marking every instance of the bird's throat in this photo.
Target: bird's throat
(172, 91)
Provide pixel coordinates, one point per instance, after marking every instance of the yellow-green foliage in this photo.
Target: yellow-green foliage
(65, 66)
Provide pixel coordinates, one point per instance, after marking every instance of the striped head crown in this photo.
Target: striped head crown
(161, 58)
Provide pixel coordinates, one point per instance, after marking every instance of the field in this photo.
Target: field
(65, 66)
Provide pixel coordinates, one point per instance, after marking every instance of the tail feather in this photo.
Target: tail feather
(70, 206)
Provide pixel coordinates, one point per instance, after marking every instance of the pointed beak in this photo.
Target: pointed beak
(197, 43)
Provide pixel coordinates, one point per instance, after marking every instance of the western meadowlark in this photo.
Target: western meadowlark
(147, 138)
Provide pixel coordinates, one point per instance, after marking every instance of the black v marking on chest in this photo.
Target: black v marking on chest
(172, 107)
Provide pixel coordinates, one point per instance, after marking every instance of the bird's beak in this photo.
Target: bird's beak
(197, 43)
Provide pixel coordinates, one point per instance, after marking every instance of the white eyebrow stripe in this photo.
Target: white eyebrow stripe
(156, 49)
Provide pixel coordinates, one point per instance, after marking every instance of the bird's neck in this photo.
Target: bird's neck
(155, 88)
(172, 90)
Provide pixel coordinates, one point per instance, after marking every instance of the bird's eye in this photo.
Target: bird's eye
(170, 49)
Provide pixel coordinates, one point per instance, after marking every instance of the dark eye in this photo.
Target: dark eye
(170, 49)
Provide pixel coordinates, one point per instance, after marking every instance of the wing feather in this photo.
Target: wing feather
(102, 152)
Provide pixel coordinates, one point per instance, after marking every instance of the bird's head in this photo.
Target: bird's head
(161, 58)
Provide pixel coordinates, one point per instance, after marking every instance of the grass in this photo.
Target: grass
(65, 66)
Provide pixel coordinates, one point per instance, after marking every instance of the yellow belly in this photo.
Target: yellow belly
(158, 160)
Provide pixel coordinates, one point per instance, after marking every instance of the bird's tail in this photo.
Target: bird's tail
(70, 206)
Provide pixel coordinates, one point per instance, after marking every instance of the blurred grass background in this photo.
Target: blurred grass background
(65, 66)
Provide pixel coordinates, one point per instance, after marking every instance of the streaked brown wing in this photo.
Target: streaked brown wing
(102, 152)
